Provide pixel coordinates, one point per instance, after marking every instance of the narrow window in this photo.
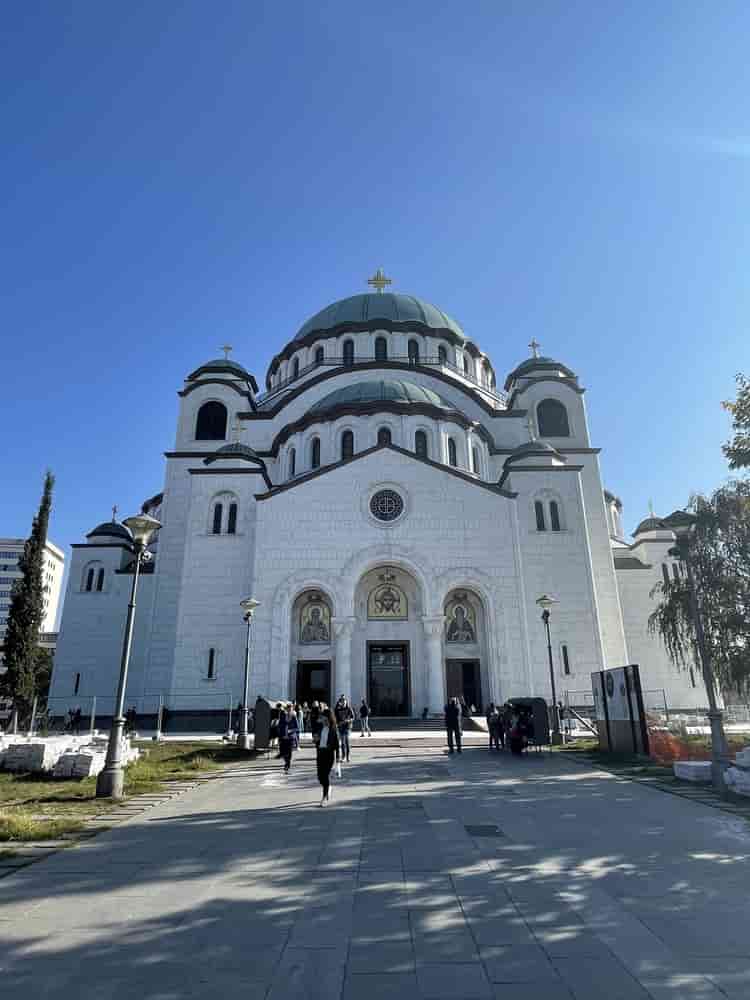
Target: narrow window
(319, 355)
(348, 353)
(232, 523)
(292, 462)
(566, 661)
(554, 515)
(420, 444)
(539, 511)
(442, 355)
(90, 580)
(295, 368)
(466, 365)
(77, 684)
(218, 511)
(384, 435)
(100, 580)
(665, 574)
(413, 352)
(692, 677)
(315, 453)
(211, 673)
(676, 572)
(381, 349)
(347, 445)
(211, 424)
(475, 461)
(452, 459)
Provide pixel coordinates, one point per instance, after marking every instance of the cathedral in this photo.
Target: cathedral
(396, 513)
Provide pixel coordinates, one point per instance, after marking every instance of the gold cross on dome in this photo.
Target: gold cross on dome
(379, 280)
(227, 349)
(114, 513)
(535, 345)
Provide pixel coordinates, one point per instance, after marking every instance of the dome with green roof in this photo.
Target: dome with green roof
(374, 310)
(381, 391)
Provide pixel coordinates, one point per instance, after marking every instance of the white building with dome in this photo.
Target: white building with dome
(396, 515)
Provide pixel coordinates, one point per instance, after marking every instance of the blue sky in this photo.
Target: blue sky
(179, 175)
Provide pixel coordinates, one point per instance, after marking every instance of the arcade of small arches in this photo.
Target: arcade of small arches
(389, 648)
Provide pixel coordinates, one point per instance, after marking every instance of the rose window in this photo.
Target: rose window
(386, 505)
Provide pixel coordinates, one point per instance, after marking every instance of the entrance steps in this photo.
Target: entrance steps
(402, 724)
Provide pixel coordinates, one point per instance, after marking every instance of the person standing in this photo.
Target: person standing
(453, 724)
(314, 721)
(300, 718)
(494, 726)
(344, 719)
(364, 719)
(288, 735)
(328, 747)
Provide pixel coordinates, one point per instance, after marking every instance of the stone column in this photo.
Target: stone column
(342, 678)
(433, 633)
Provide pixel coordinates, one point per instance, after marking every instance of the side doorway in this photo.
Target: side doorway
(313, 681)
(463, 680)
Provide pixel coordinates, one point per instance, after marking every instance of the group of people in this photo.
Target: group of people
(510, 725)
(330, 729)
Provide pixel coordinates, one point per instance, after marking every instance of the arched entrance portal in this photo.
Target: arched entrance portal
(387, 641)
(312, 647)
(465, 648)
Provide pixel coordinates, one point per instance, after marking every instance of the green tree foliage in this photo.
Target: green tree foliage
(738, 449)
(720, 557)
(27, 668)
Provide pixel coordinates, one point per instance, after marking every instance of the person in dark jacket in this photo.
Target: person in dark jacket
(453, 723)
(344, 718)
(288, 735)
(315, 721)
(328, 748)
(364, 719)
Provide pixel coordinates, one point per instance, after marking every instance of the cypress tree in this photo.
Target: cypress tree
(21, 681)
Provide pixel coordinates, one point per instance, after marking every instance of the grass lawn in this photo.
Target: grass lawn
(37, 807)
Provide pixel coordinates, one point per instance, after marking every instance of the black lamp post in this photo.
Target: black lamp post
(546, 602)
(111, 780)
(243, 737)
(683, 524)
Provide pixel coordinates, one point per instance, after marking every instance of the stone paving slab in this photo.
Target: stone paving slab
(594, 887)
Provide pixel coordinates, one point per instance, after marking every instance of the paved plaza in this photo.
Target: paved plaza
(428, 876)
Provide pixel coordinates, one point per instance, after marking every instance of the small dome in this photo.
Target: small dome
(236, 450)
(651, 524)
(537, 364)
(373, 310)
(111, 529)
(381, 391)
(531, 448)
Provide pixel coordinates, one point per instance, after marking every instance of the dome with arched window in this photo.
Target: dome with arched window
(393, 311)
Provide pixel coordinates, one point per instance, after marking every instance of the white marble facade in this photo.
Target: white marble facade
(397, 516)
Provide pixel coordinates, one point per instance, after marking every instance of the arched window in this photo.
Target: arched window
(466, 365)
(413, 352)
(420, 444)
(384, 435)
(676, 572)
(554, 515)
(100, 580)
(539, 511)
(90, 580)
(347, 445)
(211, 672)
(232, 522)
(295, 368)
(211, 424)
(475, 460)
(319, 355)
(292, 462)
(665, 573)
(218, 511)
(552, 419)
(315, 453)
(442, 355)
(381, 349)
(348, 353)
(452, 457)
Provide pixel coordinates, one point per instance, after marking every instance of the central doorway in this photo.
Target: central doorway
(462, 680)
(388, 678)
(313, 681)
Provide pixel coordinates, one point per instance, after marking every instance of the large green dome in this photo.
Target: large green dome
(380, 391)
(374, 309)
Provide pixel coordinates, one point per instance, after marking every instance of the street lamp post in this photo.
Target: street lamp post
(683, 524)
(110, 782)
(546, 602)
(243, 738)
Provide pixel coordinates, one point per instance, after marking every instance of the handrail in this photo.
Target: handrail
(340, 362)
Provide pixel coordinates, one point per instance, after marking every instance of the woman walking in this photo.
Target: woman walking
(288, 735)
(328, 748)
